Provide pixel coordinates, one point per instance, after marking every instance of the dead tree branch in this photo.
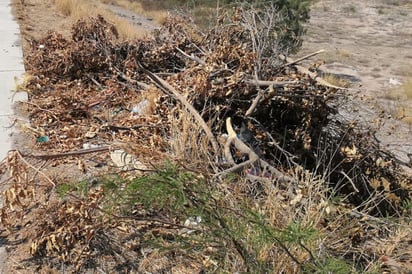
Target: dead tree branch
(302, 58)
(67, 154)
(191, 57)
(165, 86)
(253, 158)
(312, 75)
(254, 104)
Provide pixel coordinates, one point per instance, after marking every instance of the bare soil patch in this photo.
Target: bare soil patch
(369, 44)
(37, 17)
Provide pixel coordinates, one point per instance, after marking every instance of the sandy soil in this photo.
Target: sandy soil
(370, 37)
(368, 43)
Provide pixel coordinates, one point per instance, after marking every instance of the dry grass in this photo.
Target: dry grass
(78, 9)
(126, 30)
(336, 80)
(407, 89)
(158, 11)
(158, 15)
(350, 9)
(397, 2)
(311, 208)
(21, 82)
(340, 55)
(403, 96)
(190, 147)
(134, 6)
(404, 113)
(188, 143)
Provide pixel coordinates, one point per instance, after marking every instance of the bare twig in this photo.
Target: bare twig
(191, 57)
(67, 154)
(302, 58)
(312, 75)
(253, 158)
(262, 83)
(137, 127)
(41, 109)
(271, 84)
(33, 167)
(254, 104)
(95, 81)
(350, 180)
(128, 79)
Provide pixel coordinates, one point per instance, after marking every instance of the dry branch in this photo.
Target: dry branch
(312, 75)
(164, 85)
(253, 158)
(21, 156)
(191, 57)
(293, 62)
(262, 83)
(67, 154)
(254, 104)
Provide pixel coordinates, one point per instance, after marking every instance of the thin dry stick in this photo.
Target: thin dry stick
(254, 104)
(262, 83)
(42, 109)
(303, 58)
(128, 79)
(164, 85)
(272, 85)
(350, 180)
(253, 157)
(191, 57)
(34, 168)
(67, 154)
(312, 75)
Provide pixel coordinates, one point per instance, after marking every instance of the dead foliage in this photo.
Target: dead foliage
(94, 89)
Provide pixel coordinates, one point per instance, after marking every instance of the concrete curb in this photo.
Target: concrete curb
(11, 66)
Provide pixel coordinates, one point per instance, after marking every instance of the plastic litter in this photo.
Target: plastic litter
(89, 146)
(140, 108)
(191, 222)
(43, 139)
(126, 161)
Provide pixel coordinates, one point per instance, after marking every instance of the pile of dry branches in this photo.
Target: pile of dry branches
(86, 88)
(229, 83)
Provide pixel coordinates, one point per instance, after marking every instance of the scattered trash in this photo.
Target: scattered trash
(126, 161)
(394, 82)
(191, 222)
(140, 108)
(43, 139)
(89, 146)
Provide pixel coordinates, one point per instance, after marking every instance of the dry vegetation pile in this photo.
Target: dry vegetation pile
(284, 190)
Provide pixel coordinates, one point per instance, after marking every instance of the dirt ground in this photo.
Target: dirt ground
(367, 42)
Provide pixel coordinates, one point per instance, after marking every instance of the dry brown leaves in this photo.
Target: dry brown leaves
(90, 90)
(86, 90)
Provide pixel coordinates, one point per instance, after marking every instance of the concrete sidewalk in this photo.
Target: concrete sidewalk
(11, 66)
